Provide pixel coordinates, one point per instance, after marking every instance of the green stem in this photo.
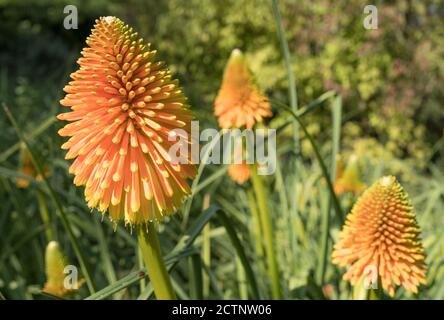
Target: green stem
(256, 223)
(206, 249)
(267, 228)
(140, 265)
(325, 219)
(375, 294)
(361, 292)
(157, 272)
(241, 280)
(62, 214)
(206, 258)
(45, 216)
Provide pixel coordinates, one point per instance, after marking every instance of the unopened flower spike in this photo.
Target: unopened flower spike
(55, 262)
(349, 179)
(124, 105)
(381, 233)
(27, 168)
(239, 102)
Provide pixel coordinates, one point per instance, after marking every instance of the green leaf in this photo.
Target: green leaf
(241, 253)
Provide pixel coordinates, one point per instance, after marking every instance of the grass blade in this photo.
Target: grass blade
(325, 223)
(336, 203)
(196, 279)
(292, 92)
(223, 218)
(219, 173)
(206, 250)
(121, 284)
(105, 255)
(203, 163)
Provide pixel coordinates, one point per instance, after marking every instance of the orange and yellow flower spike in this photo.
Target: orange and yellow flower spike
(56, 262)
(381, 233)
(239, 102)
(124, 105)
(349, 180)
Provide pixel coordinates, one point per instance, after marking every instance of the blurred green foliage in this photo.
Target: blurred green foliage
(390, 78)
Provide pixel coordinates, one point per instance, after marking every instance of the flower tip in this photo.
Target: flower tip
(353, 158)
(236, 55)
(109, 19)
(52, 245)
(236, 52)
(239, 101)
(387, 181)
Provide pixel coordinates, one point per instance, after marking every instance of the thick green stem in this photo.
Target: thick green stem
(374, 294)
(206, 249)
(266, 224)
(157, 272)
(141, 265)
(362, 292)
(206, 258)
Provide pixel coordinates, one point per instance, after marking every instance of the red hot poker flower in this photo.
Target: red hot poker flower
(381, 232)
(123, 107)
(239, 102)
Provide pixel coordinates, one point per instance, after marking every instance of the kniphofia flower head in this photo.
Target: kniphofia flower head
(239, 172)
(55, 263)
(27, 168)
(381, 233)
(349, 179)
(124, 106)
(239, 102)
